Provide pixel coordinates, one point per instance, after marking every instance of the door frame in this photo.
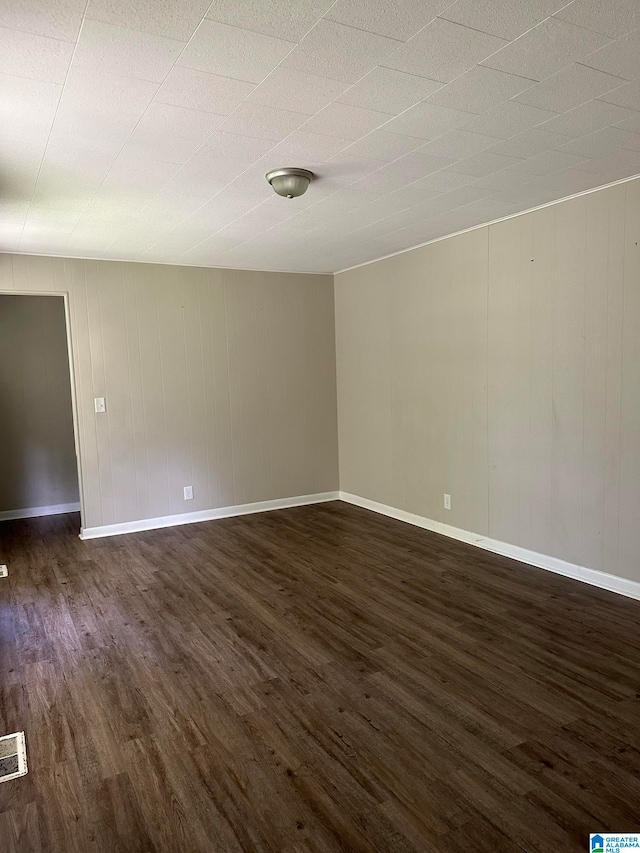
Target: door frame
(72, 378)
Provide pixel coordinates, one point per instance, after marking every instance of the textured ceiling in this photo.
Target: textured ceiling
(142, 129)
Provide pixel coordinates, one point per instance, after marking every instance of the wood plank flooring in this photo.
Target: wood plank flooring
(313, 679)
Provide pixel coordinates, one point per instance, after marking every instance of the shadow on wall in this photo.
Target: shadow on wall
(37, 451)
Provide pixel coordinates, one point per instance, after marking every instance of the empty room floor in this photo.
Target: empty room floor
(312, 679)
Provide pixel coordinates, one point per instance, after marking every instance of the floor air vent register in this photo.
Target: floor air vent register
(13, 757)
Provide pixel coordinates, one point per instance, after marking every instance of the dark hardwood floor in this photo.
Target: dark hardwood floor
(313, 679)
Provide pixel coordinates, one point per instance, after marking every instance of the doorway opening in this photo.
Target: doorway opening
(39, 464)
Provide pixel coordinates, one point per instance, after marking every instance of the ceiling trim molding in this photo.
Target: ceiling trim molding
(489, 222)
(157, 263)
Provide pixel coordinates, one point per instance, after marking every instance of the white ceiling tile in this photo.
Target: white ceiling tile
(443, 51)
(309, 147)
(137, 175)
(620, 163)
(503, 181)
(280, 18)
(383, 145)
(233, 52)
(60, 187)
(157, 17)
(76, 133)
(92, 90)
(297, 91)
(545, 49)
(587, 118)
(198, 90)
(262, 122)
(619, 58)
(458, 144)
(505, 18)
(404, 171)
(567, 182)
(26, 103)
(34, 56)
(398, 20)
(248, 148)
(613, 19)
(428, 121)
(602, 142)
(339, 52)
(480, 90)
(569, 88)
(203, 175)
(624, 96)
(117, 50)
(38, 217)
(483, 163)
(631, 123)
(459, 197)
(344, 121)
(529, 143)
(389, 91)
(171, 134)
(444, 181)
(58, 19)
(351, 167)
(546, 163)
(508, 119)
(383, 207)
(172, 198)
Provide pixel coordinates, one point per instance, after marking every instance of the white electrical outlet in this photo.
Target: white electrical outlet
(4, 571)
(447, 501)
(99, 404)
(188, 493)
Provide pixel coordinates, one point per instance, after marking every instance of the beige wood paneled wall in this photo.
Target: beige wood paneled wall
(502, 366)
(219, 379)
(37, 451)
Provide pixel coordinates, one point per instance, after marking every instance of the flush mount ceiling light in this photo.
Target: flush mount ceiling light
(290, 183)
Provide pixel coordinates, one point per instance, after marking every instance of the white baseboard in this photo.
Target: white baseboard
(204, 515)
(37, 511)
(613, 583)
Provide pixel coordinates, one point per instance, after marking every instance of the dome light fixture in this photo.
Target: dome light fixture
(289, 182)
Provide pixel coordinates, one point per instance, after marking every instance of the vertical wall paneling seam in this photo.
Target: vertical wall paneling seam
(488, 394)
(198, 294)
(268, 394)
(234, 464)
(287, 460)
(584, 377)
(106, 388)
(622, 337)
(620, 364)
(162, 387)
(131, 407)
(240, 392)
(214, 396)
(306, 397)
(606, 386)
(181, 277)
(142, 397)
(263, 484)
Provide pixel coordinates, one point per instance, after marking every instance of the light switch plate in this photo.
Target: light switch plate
(100, 404)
